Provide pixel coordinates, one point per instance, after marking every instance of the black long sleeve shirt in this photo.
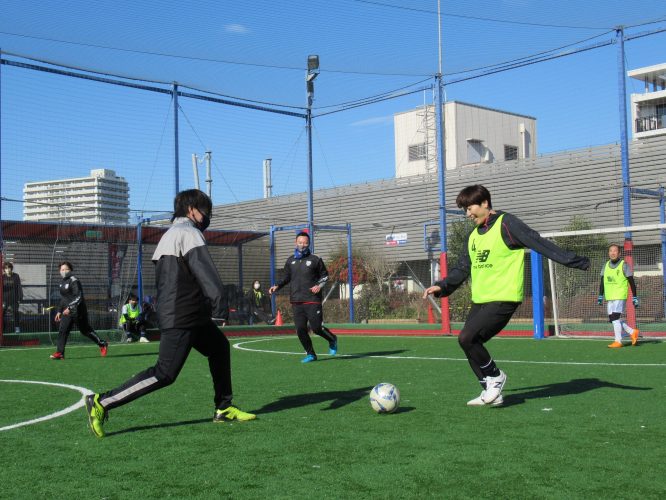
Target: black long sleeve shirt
(515, 234)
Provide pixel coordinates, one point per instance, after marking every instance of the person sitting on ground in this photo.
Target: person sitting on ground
(131, 320)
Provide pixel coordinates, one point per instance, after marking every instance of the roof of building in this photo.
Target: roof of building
(496, 110)
(116, 234)
(655, 72)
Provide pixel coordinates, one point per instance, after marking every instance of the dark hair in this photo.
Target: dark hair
(132, 296)
(66, 263)
(8, 265)
(191, 198)
(473, 195)
(619, 248)
(303, 233)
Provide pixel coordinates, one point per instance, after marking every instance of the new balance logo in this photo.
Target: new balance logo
(482, 256)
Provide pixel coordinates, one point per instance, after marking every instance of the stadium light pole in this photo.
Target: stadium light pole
(310, 75)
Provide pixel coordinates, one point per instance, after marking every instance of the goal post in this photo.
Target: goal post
(571, 305)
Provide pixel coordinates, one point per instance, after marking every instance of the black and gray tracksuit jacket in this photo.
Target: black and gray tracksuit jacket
(189, 289)
(303, 274)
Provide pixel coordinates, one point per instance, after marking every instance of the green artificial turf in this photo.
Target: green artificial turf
(579, 421)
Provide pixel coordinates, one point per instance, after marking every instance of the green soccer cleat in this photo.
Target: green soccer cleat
(232, 413)
(97, 415)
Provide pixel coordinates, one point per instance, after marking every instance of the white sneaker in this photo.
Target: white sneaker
(128, 340)
(17, 330)
(499, 400)
(494, 387)
(144, 340)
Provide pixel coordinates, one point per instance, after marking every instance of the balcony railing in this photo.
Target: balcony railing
(651, 122)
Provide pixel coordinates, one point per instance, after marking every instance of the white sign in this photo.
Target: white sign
(395, 239)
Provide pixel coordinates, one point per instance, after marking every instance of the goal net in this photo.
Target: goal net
(571, 303)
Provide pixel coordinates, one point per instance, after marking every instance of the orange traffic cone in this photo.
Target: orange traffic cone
(278, 319)
(431, 314)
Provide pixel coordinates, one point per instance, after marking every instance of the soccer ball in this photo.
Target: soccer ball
(384, 398)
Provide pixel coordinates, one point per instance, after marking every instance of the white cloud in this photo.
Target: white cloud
(236, 28)
(378, 120)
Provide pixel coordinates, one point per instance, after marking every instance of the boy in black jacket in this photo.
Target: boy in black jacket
(190, 293)
(307, 274)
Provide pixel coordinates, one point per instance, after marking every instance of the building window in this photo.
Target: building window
(510, 152)
(417, 152)
(476, 151)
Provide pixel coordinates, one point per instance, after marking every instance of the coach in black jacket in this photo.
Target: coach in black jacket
(189, 294)
(307, 274)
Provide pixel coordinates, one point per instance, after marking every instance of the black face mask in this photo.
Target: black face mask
(205, 222)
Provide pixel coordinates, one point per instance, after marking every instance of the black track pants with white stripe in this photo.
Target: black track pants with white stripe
(175, 346)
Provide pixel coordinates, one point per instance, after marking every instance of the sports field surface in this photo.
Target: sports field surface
(579, 421)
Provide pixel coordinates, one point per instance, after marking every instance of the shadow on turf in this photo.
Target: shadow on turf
(364, 355)
(161, 426)
(337, 399)
(576, 386)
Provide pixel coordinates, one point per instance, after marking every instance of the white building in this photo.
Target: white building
(102, 197)
(473, 134)
(648, 110)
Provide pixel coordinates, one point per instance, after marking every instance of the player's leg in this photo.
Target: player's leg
(301, 322)
(483, 323)
(65, 327)
(213, 344)
(87, 330)
(315, 314)
(140, 328)
(615, 309)
(175, 346)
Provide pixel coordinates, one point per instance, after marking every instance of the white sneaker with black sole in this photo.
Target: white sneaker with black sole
(494, 386)
(478, 401)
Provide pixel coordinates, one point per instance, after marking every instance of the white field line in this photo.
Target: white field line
(240, 346)
(84, 392)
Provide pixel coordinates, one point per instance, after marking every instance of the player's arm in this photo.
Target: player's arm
(77, 292)
(323, 277)
(456, 276)
(517, 234)
(285, 279)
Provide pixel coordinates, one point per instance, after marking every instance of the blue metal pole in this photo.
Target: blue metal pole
(441, 168)
(537, 294)
(139, 259)
(350, 274)
(441, 164)
(272, 268)
(624, 146)
(240, 268)
(175, 137)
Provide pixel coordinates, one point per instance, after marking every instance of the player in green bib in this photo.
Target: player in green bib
(495, 262)
(616, 279)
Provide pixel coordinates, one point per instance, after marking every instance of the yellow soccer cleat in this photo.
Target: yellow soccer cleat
(97, 415)
(232, 413)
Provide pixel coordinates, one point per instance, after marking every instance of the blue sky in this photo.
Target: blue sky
(55, 127)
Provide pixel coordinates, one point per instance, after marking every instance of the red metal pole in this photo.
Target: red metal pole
(629, 259)
(446, 318)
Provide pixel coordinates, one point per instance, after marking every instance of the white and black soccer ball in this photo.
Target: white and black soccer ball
(385, 398)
